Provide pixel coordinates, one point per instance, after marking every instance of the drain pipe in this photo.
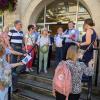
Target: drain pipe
(77, 13)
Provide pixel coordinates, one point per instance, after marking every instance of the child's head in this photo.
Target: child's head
(72, 53)
(60, 30)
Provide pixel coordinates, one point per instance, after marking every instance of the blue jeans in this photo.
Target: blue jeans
(58, 55)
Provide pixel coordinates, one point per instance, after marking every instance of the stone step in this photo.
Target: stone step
(34, 86)
(28, 95)
(18, 96)
(38, 78)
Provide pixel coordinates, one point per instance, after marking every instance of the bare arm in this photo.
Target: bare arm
(16, 53)
(26, 40)
(16, 64)
(88, 38)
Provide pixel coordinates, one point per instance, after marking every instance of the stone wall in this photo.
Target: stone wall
(28, 11)
(9, 18)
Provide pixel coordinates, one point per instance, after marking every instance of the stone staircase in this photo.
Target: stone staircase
(38, 87)
(35, 87)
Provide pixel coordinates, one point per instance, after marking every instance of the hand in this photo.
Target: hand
(47, 44)
(10, 48)
(21, 63)
(26, 50)
(91, 63)
(25, 54)
(78, 44)
(1, 87)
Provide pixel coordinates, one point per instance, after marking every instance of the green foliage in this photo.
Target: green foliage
(10, 6)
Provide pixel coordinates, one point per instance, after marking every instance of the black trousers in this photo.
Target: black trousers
(60, 96)
(74, 97)
(9, 93)
(71, 96)
(49, 56)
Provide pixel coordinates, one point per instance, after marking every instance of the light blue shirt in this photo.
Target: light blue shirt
(58, 40)
(71, 32)
(36, 35)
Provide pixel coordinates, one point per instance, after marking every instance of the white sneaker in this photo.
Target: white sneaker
(27, 70)
(31, 70)
(45, 71)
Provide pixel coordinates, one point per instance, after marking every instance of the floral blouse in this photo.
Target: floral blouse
(77, 69)
(5, 70)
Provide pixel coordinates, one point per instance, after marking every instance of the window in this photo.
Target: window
(63, 11)
(1, 22)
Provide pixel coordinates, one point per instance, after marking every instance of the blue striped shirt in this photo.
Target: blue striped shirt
(16, 36)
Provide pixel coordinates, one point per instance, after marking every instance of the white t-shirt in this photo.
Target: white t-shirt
(58, 40)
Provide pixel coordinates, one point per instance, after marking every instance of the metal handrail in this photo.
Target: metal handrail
(98, 62)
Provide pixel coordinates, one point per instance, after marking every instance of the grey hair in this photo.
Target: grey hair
(44, 29)
(17, 21)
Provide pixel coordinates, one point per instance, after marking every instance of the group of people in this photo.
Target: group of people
(14, 44)
(70, 74)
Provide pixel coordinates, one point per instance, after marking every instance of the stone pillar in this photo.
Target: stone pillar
(10, 17)
(94, 7)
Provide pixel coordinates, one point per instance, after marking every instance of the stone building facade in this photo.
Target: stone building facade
(29, 10)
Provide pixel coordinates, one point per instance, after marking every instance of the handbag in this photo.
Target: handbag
(82, 51)
(90, 66)
(44, 49)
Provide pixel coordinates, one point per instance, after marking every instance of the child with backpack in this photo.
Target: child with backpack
(67, 86)
(5, 71)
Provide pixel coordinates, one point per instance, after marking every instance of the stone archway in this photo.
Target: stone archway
(36, 6)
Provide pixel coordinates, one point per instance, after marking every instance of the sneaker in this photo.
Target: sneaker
(45, 71)
(39, 71)
(27, 70)
(31, 70)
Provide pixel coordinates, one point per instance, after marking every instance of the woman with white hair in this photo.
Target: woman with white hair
(5, 70)
(43, 42)
(4, 35)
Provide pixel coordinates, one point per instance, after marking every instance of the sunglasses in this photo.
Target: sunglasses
(32, 28)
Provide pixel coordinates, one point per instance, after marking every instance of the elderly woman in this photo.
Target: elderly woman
(43, 43)
(5, 70)
(29, 43)
(5, 36)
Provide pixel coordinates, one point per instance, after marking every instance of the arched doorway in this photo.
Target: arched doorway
(34, 8)
(59, 12)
